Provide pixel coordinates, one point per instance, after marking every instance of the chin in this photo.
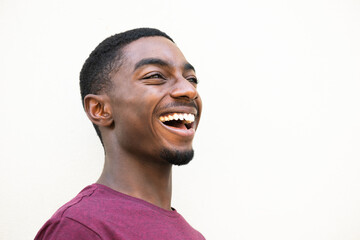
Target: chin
(177, 157)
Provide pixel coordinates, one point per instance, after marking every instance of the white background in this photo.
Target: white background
(277, 151)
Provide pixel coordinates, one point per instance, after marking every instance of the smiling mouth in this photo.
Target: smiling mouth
(178, 120)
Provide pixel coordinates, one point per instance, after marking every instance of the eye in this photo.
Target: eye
(154, 79)
(154, 76)
(193, 80)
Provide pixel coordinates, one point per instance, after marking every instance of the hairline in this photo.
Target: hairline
(120, 59)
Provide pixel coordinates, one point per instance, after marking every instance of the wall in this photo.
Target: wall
(277, 151)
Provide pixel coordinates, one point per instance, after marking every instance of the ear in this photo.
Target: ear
(98, 109)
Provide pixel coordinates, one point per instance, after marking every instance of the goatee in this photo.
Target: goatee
(177, 157)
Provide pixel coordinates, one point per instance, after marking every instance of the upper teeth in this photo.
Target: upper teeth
(188, 117)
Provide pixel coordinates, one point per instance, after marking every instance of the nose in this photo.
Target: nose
(184, 89)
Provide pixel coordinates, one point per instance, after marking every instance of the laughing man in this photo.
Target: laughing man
(140, 93)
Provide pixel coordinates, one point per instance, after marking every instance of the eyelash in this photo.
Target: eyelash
(159, 76)
(155, 75)
(193, 79)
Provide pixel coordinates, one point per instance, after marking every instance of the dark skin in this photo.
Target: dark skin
(153, 80)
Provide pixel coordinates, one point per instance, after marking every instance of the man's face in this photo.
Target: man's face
(155, 103)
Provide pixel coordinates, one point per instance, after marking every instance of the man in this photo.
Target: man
(140, 93)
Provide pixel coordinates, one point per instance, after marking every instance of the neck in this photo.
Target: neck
(136, 177)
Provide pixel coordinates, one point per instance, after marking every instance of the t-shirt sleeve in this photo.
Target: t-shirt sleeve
(66, 229)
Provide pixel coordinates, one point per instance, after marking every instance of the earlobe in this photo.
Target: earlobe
(98, 110)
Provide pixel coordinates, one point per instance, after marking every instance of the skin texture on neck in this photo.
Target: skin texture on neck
(154, 81)
(138, 178)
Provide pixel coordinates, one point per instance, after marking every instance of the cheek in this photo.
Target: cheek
(135, 107)
(135, 127)
(134, 115)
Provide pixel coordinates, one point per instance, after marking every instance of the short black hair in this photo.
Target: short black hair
(105, 58)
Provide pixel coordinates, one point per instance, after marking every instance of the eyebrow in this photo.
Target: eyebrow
(188, 66)
(159, 62)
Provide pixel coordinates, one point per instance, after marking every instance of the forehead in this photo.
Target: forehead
(153, 47)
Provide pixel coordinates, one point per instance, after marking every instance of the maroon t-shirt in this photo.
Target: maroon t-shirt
(99, 212)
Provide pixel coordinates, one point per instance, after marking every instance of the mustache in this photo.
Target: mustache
(180, 104)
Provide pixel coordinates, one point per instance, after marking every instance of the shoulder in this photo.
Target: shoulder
(76, 206)
(71, 219)
(66, 229)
